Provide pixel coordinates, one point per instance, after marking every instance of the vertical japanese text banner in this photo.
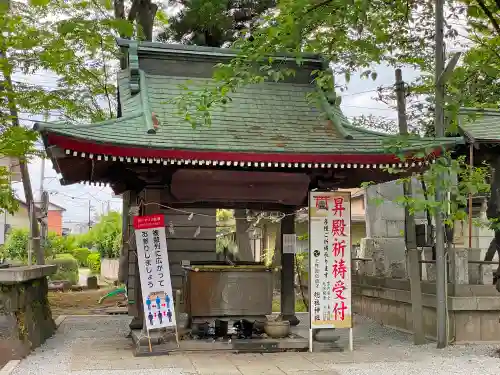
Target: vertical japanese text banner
(330, 259)
(154, 271)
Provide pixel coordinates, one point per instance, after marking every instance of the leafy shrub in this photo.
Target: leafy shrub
(84, 240)
(16, 246)
(67, 268)
(57, 244)
(81, 254)
(94, 263)
(105, 236)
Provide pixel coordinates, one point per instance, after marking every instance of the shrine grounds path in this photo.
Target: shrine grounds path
(96, 345)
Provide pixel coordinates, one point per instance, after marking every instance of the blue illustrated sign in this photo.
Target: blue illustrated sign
(154, 271)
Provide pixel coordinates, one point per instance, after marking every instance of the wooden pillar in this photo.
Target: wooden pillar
(133, 279)
(288, 274)
(150, 197)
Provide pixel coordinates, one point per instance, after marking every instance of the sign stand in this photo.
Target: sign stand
(351, 339)
(330, 304)
(177, 337)
(149, 342)
(310, 339)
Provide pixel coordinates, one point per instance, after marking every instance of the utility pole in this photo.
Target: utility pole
(441, 279)
(410, 233)
(23, 166)
(44, 208)
(90, 212)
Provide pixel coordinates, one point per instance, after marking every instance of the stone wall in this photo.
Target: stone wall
(473, 310)
(25, 315)
(109, 268)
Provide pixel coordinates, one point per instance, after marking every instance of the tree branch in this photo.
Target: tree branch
(490, 15)
(105, 72)
(119, 9)
(317, 6)
(134, 9)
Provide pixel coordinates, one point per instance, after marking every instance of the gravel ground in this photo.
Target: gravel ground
(97, 346)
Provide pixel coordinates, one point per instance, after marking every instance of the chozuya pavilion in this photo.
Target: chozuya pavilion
(265, 151)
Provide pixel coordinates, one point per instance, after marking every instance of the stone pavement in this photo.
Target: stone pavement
(96, 345)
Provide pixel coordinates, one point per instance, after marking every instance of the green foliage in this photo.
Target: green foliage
(57, 244)
(213, 23)
(94, 263)
(16, 245)
(224, 215)
(452, 176)
(81, 254)
(106, 235)
(84, 240)
(67, 268)
(351, 36)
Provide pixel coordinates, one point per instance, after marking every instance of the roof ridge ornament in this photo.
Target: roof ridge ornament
(133, 66)
(328, 101)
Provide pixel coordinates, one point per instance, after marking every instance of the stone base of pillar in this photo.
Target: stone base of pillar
(294, 321)
(136, 323)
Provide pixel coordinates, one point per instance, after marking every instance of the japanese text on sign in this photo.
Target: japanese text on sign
(154, 271)
(330, 244)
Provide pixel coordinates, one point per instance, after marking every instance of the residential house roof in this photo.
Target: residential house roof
(480, 125)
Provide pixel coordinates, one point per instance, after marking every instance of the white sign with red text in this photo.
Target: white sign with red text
(154, 271)
(330, 259)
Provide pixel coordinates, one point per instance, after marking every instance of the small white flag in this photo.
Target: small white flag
(197, 232)
(171, 229)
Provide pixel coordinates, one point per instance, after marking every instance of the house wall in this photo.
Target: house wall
(358, 206)
(20, 220)
(54, 220)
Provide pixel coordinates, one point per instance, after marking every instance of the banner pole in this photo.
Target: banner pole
(149, 342)
(351, 340)
(310, 340)
(310, 274)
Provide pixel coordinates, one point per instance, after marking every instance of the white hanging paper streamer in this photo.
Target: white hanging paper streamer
(197, 232)
(134, 211)
(171, 229)
(190, 217)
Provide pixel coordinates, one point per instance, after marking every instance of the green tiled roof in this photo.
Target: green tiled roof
(481, 125)
(268, 118)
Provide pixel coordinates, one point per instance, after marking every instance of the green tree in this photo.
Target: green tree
(214, 23)
(16, 245)
(106, 235)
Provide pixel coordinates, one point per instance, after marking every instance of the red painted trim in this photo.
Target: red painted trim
(111, 150)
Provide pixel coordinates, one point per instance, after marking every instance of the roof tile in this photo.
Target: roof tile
(266, 118)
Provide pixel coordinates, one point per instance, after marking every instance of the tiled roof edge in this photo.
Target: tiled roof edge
(146, 109)
(486, 111)
(44, 126)
(133, 67)
(178, 49)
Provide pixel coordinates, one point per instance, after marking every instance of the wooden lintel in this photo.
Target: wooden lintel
(259, 206)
